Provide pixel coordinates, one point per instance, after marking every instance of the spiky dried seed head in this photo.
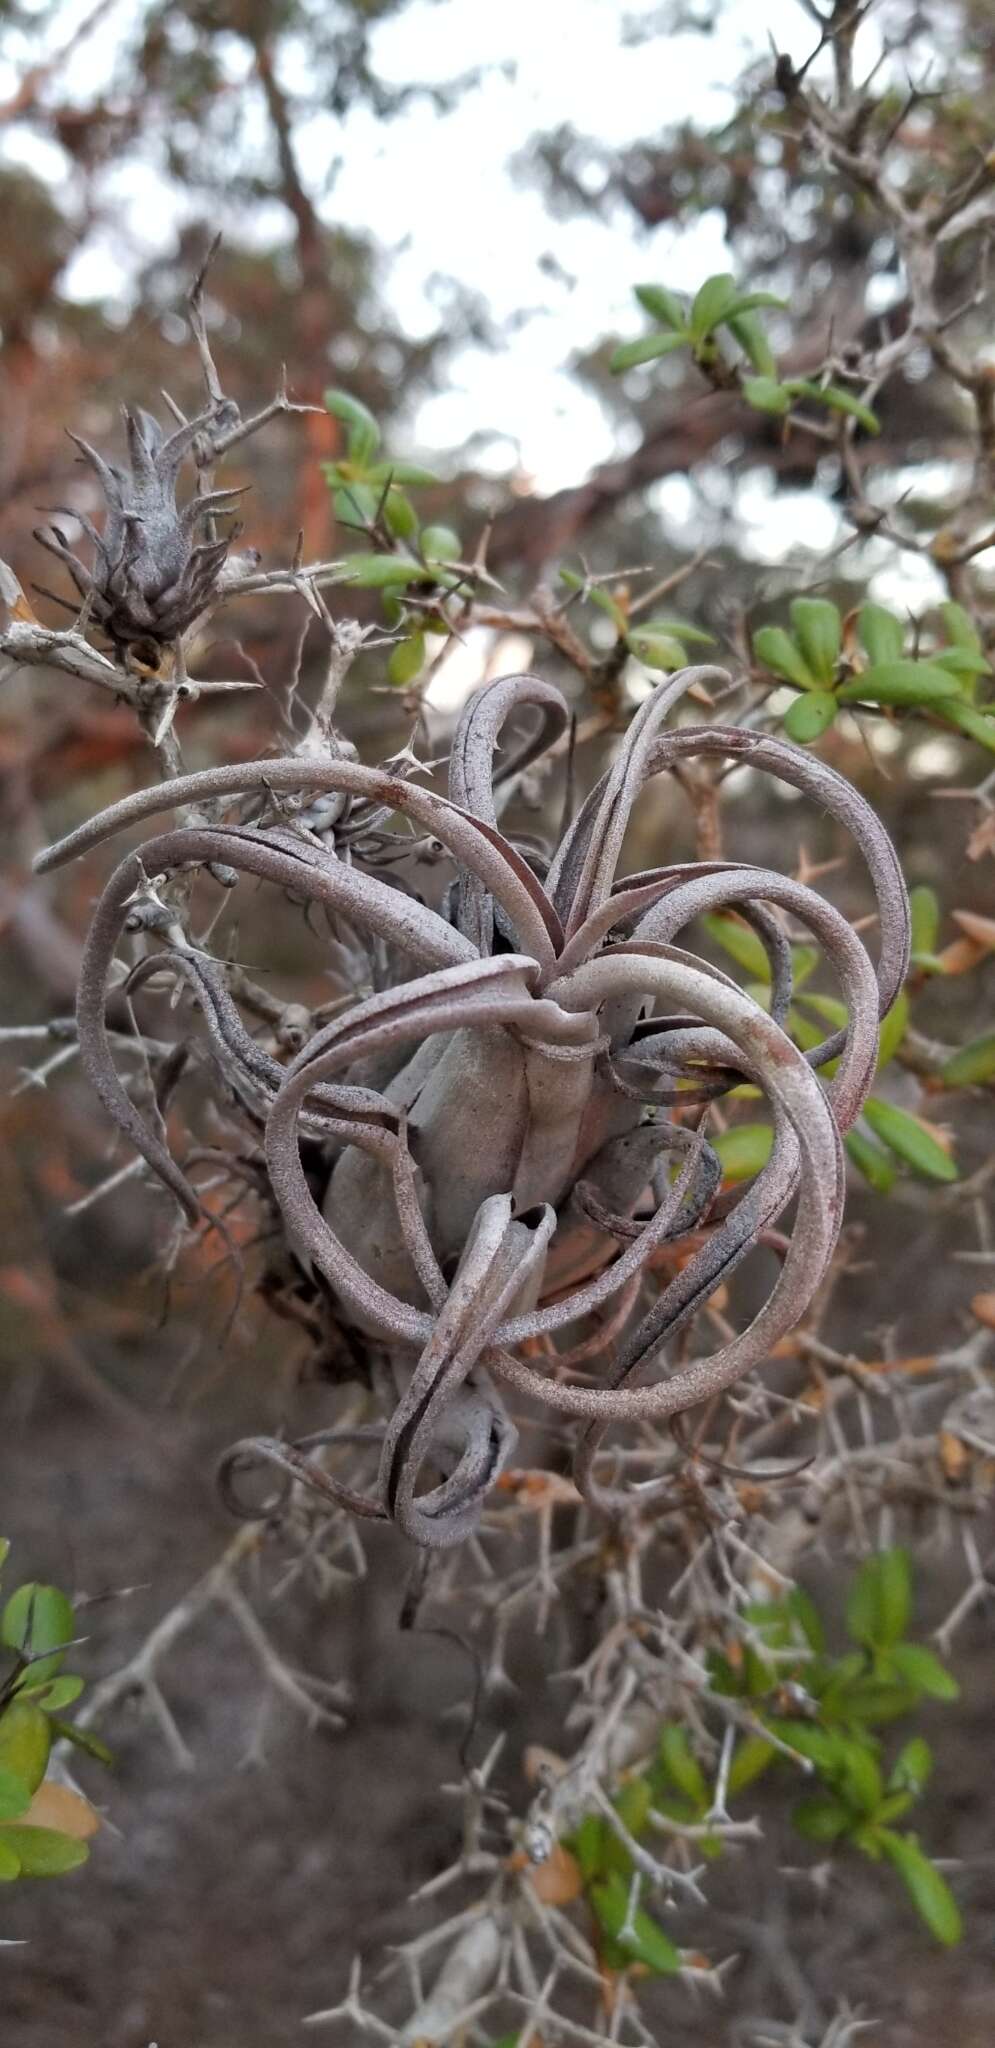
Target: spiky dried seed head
(151, 575)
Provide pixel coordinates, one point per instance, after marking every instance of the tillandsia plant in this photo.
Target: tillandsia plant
(481, 1132)
(523, 1143)
(509, 1135)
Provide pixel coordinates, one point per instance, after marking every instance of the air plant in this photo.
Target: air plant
(488, 1126)
(150, 576)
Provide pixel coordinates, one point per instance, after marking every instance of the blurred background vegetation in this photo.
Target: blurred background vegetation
(443, 209)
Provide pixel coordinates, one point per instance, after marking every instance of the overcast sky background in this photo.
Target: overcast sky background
(439, 193)
(447, 194)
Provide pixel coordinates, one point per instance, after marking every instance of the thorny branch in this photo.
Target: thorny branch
(487, 1169)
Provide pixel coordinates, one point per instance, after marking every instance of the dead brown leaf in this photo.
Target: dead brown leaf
(56, 1806)
(983, 1308)
(953, 1455)
(557, 1881)
(981, 930)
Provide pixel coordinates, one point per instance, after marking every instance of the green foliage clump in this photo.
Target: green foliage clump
(36, 1627)
(807, 1708)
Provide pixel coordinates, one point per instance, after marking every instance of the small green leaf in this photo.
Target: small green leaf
(859, 1777)
(356, 505)
(657, 650)
(810, 716)
(632, 1804)
(744, 1150)
(723, 1677)
(15, 1795)
(407, 660)
(593, 594)
(84, 1739)
(51, 1694)
(750, 1759)
(646, 1942)
(37, 1618)
(589, 1846)
(363, 433)
(410, 473)
(765, 394)
(821, 1746)
(715, 299)
(751, 335)
(773, 1621)
(909, 1140)
(973, 1064)
(880, 1600)
(606, 603)
(380, 572)
(399, 516)
(829, 1008)
(773, 648)
(869, 1160)
(663, 305)
(740, 942)
(868, 1702)
(960, 661)
(921, 1670)
(929, 1891)
(881, 634)
(750, 302)
(912, 1768)
(978, 725)
(818, 629)
(25, 1741)
(960, 628)
(900, 683)
(630, 354)
(924, 906)
(837, 400)
(440, 544)
(821, 1818)
(893, 1029)
(682, 1766)
(681, 630)
(43, 1852)
(803, 1610)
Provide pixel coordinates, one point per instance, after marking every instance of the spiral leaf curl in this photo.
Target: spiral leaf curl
(483, 1119)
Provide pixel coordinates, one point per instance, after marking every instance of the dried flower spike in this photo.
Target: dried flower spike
(150, 575)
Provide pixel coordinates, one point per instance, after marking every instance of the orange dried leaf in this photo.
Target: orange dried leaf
(751, 1497)
(538, 1758)
(982, 839)
(786, 1347)
(981, 930)
(557, 1881)
(960, 957)
(56, 1806)
(983, 1308)
(953, 1455)
(538, 1489)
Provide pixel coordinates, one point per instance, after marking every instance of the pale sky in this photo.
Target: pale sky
(440, 195)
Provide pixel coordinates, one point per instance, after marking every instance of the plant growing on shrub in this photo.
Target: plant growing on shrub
(506, 1175)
